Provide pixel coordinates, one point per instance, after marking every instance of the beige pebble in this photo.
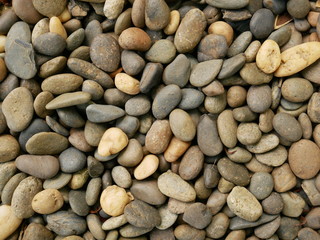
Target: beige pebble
(127, 84)
(236, 96)
(112, 142)
(248, 133)
(316, 134)
(173, 24)
(274, 158)
(78, 179)
(236, 235)
(297, 58)
(3, 39)
(176, 149)
(283, 178)
(222, 28)
(147, 167)
(313, 18)
(47, 201)
(114, 199)
(265, 121)
(55, 26)
(225, 186)
(268, 58)
(255, 166)
(251, 51)
(8, 221)
(65, 15)
(306, 125)
(134, 39)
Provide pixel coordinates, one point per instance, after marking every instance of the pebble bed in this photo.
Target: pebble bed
(161, 120)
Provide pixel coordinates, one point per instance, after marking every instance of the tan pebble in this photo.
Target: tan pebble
(273, 158)
(283, 178)
(215, 88)
(127, 84)
(251, 51)
(147, 167)
(306, 125)
(40, 103)
(78, 140)
(236, 235)
(313, 18)
(112, 142)
(268, 58)
(297, 58)
(78, 179)
(176, 149)
(265, 121)
(236, 96)
(134, 39)
(218, 226)
(114, 199)
(8, 221)
(55, 26)
(158, 137)
(2, 43)
(316, 134)
(172, 27)
(40, 28)
(137, 13)
(65, 16)
(255, 166)
(73, 237)
(313, 37)
(225, 186)
(222, 28)
(3, 70)
(47, 201)
(9, 148)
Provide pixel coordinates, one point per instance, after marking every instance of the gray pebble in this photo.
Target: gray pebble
(261, 23)
(178, 71)
(151, 76)
(78, 204)
(99, 113)
(191, 99)
(51, 44)
(261, 185)
(232, 65)
(240, 44)
(138, 105)
(72, 160)
(131, 62)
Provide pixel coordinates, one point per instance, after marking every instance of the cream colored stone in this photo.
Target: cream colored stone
(283, 178)
(127, 84)
(268, 58)
(55, 26)
(172, 27)
(65, 15)
(114, 199)
(297, 58)
(47, 201)
(3, 39)
(8, 221)
(222, 28)
(112, 142)
(79, 179)
(176, 149)
(147, 167)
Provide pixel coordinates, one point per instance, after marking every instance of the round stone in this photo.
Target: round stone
(298, 9)
(157, 20)
(9, 148)
(212, 46)
(261, 185)
(296, 89)
(261, 23)
(134, 39)
(51, 44)
(287, 127)
(233, 172)
(259, 98)
(72, 160)
(47, 201)
(182, 125)
(49, 8)
(162, 51)
(197, 215)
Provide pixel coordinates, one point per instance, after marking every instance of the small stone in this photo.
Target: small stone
(134, 39)
(99, 113)
(72, 160)
(283, 178)
(273, 204)
(9, 222)
(178, 71)
(191, 163)
(78, 204)
(146, 167)
(212, 46)
(186, 232)
(227, 128)
(268, 58)
(37, 231)
(156, 20)
(287, 127)
(68, 100)
(261, 185)
(237, 223)
(182, 125)
(58, 181)
(218, 226)
(296, 90)
(244, 204)
(289, 228)
(240, 44)
(205, 72)
(47, 201)
(50, 44)
(131, 62)
(259, 98)
(261, 23)
(75, 39)
(293, 204)
(162, 51)
(248, 133)
(274, 158)
(191, 99)
(9, 148)
(298, 9)
(50, 8)
(113, 8)
(308, 234)
(197, 215)
(53, 66)
(232, 66)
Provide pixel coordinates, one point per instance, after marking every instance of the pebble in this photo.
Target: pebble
(231, 66)
(162, 51)
(78, 204)
(9, 222)
(93, 88)
(287, 127)
(289, 228)
(233, 172)
(296, 90)
(43, 167)
(23, 195)
(75, 39)
(173, 24)
(141, 214)
(218, 226)
(66, 223)
(248, 133)
(274, 158)
(134, 39)
(281, 36)
(261, 185)
(238, 223)
(40, 102)
(7, 170)
(221, 28)
(121, 176)
(72, 160)
(268, 58)
(146, 167)
(211, 47)
(313, 218)
(114, 222)
(138, 105)
(261, 23)
(156, 20)
(51, 44)
(191, 163)
(233, 4)
(283, 178)
(132, 155)
(267, 229)
(308, 233)
(175, 149)
(47, 201)
(310, 187)
(191, 99)
(186, 232)
(236, 96)
(298, 9)
(7, 19)
(240, 44)
(147, 191)
(53, 66)
(205, 72)
(304, 159)
(259, 98)
(227, 128)
(194, 20)
(105, 52)
(68, 100)
(46, 143)
(132, 63)
(253, 75)
(182, 125)
(172, 185)
(113, 8)
(98, 113)
(112, 142)
(127, 84)
(9, 148)
(17, 108)
(197, 215)
(293, 204)
(37, 231)
(130, 231)
(311, 73)
(239, 155)
(10, 186)
(58, 181)
(273, 204)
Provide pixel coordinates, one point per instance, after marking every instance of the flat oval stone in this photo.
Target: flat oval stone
(162, 51)
(99, 113)
(151, 76)
(304, 159)
(205, 72)
(78, 204)
(166, 100)
(72, 160)
(296, 89)
(47, 201)
(232, 65)
(212, 46)
(178, 71)
(172, 185)
(259, 98)
(62, 83)
(233, 172)
(147, 191)
(68, 100)
(227, 128)
(191, 163)
(66, 223)
(281, 35)
(9, 221)
(191, 29)
(17, 107)
(43, 167)
(156, 20)
(266, 143)
(58, 181)
(10, 187)
(130, 231)
(75, 39)
(9, 148)
(134, 39)
(23, 195)
(158, 136)
(298, 9)
(7, 19)
(50, 44)
(268, 58)
(114, 222)
(289, 228)
(244, 204)
(121, 176)
(261, 23)
(312, 72)
(240, 44)
(46, 143)
(274, 158)
(261, 185)
(138, 105)
(140, 214)
(184, 231)
(233, 4)
(113, 8)
(50, 8)
(197, 215)
(105, 52)
(287, 127)
(238, 223)
(207, 136)
(90, 71)
(182, 125)
(132, 63)
(191, 99)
